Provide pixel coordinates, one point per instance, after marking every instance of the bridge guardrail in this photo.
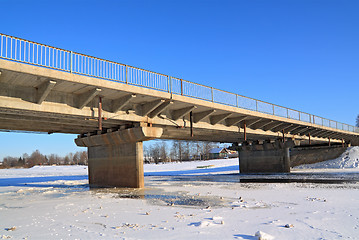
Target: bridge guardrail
(21, 50)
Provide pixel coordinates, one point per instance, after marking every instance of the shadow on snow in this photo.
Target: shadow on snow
(194, 171)
(30, 181)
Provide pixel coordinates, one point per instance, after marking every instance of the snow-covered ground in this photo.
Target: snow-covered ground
(201, 200)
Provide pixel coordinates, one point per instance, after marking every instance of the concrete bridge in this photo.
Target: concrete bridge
(114, 107)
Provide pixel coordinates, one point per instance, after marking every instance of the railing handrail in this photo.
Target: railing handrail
(65, 62)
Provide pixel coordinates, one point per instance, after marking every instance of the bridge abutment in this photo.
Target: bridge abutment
(279, 157)
(116, 158)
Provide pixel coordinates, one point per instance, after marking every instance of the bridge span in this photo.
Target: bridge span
(113, 107)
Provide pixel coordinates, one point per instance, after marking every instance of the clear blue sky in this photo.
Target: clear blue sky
(303, 54)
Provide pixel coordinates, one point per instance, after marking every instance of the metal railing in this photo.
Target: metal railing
(20, 50)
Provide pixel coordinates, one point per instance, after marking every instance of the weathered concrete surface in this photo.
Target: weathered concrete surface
(309, 155)
(116, 165)
(265, 158)
(279, 157)
(116, 158)
(264, 161)
(136, 134)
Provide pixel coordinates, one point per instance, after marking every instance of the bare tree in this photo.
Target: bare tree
(163, 151)
(188, 150)
(36, 158)
(206, 148)
(357, 121)
(76, 158)
(177, 150)
(83, 158)
(10, 162)
(155, 152)
(54, 159)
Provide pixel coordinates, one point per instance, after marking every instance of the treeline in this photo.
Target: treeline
(36, 158)
(159, 151)
(177, 150)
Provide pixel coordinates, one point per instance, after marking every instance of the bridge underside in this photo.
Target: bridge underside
(39, 99)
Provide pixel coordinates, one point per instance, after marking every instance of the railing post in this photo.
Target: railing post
(168, 83)
(236, 100)
(126, 75)
(212, 93)
(288, 113)
(273, 110)
(1, 45)
(181, 87)
(70, 61)
(257, 105)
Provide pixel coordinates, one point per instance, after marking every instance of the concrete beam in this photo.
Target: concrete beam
(214, 119)
(40, 126)
(290, 129)
(137, 134)
(119, 103)
(232, 121)
(179, 113)
(315, 132)
(201, 115)
(48, 121)
(301, 129)
(297, 130)
(309, 130)
(327, 134)
(262, 124)
(337, 135)
(146, 108)
(272, 125)
(281, 127)
(43, 90)
(87, 97)
(160, 109)
(251, 122)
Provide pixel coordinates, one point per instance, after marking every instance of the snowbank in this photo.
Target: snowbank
(348, 160)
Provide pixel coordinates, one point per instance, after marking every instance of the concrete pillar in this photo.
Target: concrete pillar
(116, 165)
(116, 158)
(265, 161)
(286, 163)
(266, 158)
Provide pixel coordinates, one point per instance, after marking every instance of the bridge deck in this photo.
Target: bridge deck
(38, 98)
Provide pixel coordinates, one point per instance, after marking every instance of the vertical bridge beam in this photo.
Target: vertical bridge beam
(116, 158)
(43, 90)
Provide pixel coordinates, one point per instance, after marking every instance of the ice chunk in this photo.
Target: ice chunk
(263, 236)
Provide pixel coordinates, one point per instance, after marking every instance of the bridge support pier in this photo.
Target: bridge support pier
(265, 158)
(116, 158)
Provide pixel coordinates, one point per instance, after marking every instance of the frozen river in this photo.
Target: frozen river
(202, 200)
